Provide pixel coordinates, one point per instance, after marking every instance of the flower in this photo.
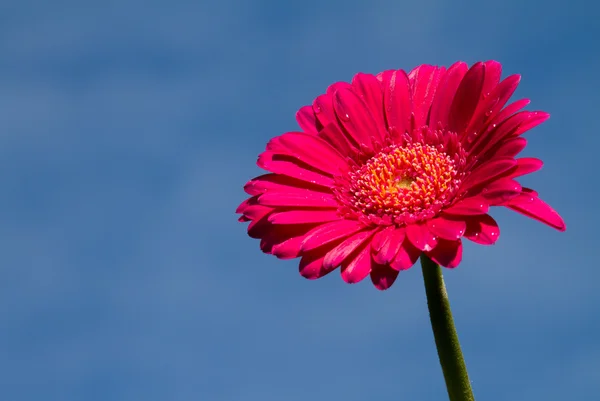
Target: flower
(393, 165)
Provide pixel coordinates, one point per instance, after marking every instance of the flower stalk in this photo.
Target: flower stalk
(444, 332)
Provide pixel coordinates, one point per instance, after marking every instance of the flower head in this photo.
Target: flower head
(393, 165)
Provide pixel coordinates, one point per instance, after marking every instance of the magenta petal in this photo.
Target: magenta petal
(390, 246)
(497, 132)
(246, 203)
(253, 210)
(535, 119)
(292, 168)
(444, 96)
(303, 216)
(288, 249)
(527, 165)
(299, 199)
(406, 257)
(510, 148)
(357, 268)
(369, 89)
(337, 255)
(310, 149)
(281, 183)
(307, 120)
(330, 232)
(420, 236)
(383, 276)
(493, 72)
(333, 135)
(424, 81)
(468, 206)
(311, 264)
(323, 109)
(260, 226)
(446, 228)
(488, 108)
(539, 210)
(487, 172)
(511, 109)
(447, 253)
(397, 101)
(355, 117)
(381, 237)
(482, 229)
(501, 191)
(466, 98)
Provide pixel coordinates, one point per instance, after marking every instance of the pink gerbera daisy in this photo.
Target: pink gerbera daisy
(393, 165)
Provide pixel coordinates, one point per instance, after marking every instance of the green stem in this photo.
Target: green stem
(444, 332)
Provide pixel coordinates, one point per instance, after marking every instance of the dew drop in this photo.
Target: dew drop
(344, 117)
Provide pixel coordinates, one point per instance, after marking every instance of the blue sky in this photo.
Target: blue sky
(126, 133)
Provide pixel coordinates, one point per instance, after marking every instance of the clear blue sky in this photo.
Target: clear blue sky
(126, 133)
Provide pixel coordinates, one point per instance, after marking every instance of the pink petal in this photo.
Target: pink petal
(281, 183)
(482, 229)
(445, 228)
(284, 241)
(260, 226)
(510, 110)
(323, 109)
(383, 276)
(493, 72)
(495, 133)
(490, 107)
(303, 216)
(527, 165)
(420, 236)
(389, 246)
(381, 237)
(310, 149)
(251, 209)
(305, 198)
(337, 255)
(357, 268)
(424, 82)
(501, 191)
(466, 98)
(311, 264)
(288, 249)
(535, 119)
(502, 94)
(333, 88)
(369, 89)
(292, 168)
(406, 256)
(444, 96)
(330, 232)
(539, 210)
(447, 253)
(333, 135)
(246, 203)
(468, 206)
(307, 120)
(355, 117)
(487, 172)
(510, 147)
(397, 101)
